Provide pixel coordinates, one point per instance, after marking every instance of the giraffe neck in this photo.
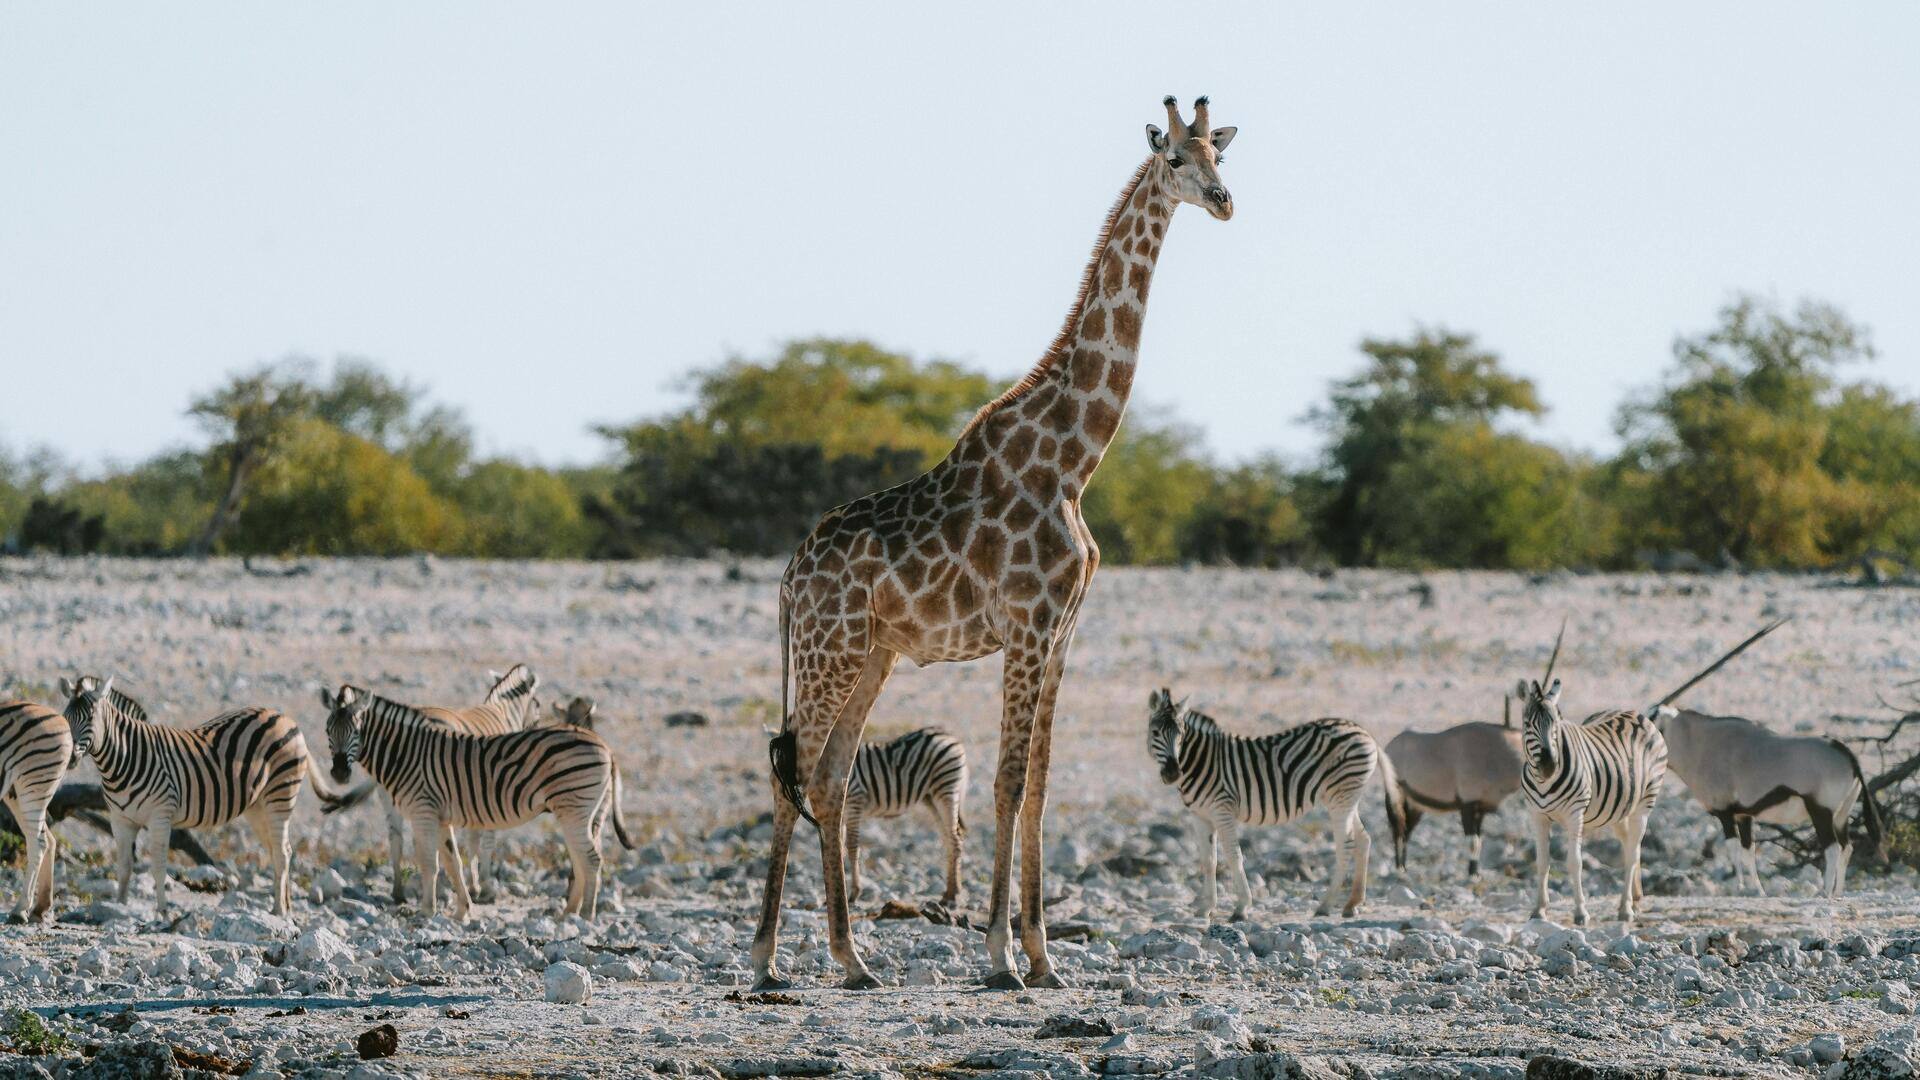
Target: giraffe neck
(1066, 411)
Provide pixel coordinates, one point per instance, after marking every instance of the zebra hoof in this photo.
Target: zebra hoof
(1048, 981)
(16, 918)
(772, 982)
(1238, 916)
(1004, 980)
(862, 981)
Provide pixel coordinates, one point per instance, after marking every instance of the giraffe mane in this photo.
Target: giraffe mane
(1063, 341)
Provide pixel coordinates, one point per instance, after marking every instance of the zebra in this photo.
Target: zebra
(927, 768)
(1740, 771)
(1606, 771)
(1469, 768)
(510, 705)
(246, 763)
(1233, 780)
(441, 779)
(36, 748)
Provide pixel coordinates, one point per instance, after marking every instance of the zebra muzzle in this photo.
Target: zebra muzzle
(342, 769)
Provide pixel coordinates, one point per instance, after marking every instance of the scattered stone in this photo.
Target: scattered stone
(1549, 1067)
(686, 719)
(1064, 1026)
(568, 983)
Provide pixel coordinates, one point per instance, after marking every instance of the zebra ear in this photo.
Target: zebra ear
(492, 675)
(67, 689)
(106, 689)
(326, 698)
(1520, 690)
(1553, 693)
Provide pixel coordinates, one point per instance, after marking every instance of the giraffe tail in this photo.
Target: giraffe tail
(783, 751)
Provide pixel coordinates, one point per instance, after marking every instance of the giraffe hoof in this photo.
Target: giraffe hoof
(771, 982)
(1004, 980)
(862, 981)
(1046, 981)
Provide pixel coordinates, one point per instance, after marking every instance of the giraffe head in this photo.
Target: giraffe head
(1189, 158)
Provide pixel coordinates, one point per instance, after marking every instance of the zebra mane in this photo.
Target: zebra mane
(1196, 722)
(120, 702)
(518, 682)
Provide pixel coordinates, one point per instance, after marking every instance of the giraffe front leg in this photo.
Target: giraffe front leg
(1542, 860)
(828, 793)
(854, 817)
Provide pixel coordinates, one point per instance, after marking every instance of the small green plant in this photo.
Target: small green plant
(1335, 995)
(1862, 995)
(31, 1036)
(1692, 1000)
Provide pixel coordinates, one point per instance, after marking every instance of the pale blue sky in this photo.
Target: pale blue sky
(547, 212)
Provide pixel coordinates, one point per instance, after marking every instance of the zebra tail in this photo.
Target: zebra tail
(1876, 828)
(783, 750)
(332, 802)
(619, 823)
(1395, 796)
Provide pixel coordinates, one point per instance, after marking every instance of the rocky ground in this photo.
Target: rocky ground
(1437, 978)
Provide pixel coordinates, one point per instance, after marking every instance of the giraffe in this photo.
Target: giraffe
(986, 552)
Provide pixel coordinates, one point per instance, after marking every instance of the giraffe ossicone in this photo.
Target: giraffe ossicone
(985, 552)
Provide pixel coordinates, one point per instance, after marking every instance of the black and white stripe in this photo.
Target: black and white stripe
(1603, 773)
(245, 763)
(1233, 780)
(927, 768)
(510, 705)
(439, 780)
(35, 750)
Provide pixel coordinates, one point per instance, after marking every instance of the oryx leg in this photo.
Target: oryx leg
(1471, 816)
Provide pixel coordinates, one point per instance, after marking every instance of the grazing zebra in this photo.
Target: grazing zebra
(1740, 771)
(921, 768)
(1468, 769)
(245, 763)
(1604, 772)
(440, 779)
(1232, 780)
(510, 705)
(35, 750)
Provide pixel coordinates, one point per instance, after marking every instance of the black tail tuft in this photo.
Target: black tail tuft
(333, 804)
(1876, 828)
(783, 753)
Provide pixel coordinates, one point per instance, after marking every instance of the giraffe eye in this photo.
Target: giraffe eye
(1175, 161)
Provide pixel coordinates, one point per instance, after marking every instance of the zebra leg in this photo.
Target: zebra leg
(43, 884)
(426, 861)
(946, 817)
(159, 839)
(1575, 830)
(1209, 861)
(1631, 831)
(585, 852)
(828, 793)
(1362, 843)
(396, 843)
(1236, 865)
(1338, 875)
(457, 873)
(1826, 834)
(33, 826)
(853, 819)
(1542, 860)
(124, 834)
(271, 830)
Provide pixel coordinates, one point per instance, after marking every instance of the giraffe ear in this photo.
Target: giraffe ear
(1156, 139)
(1221, 137)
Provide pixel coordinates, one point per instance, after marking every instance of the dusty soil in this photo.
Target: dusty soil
(1438, 978)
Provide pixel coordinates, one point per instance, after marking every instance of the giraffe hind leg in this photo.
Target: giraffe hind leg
(828, 793)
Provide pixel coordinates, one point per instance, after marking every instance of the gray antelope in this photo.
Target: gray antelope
(1603, 773)
(510, 705)
(1233, 780)
(926, 768)
(35, 749)
(440, 780)
(1742, 772)
(1468, 769)
(248, 763)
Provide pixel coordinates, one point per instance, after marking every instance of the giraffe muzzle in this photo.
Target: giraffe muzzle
(1219, 202)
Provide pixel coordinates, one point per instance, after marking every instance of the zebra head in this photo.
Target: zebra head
(88, 699)
(346, 714)
(516, 688)
(1163, 732)
(1540, 724)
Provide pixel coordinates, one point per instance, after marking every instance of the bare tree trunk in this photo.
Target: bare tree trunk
(223, 514)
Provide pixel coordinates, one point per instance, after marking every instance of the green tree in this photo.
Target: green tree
(1437, 393)
(1735, 448)
(251, 418)
(515, 511)
(332, 493)
(154, 508)
(1249, 516)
